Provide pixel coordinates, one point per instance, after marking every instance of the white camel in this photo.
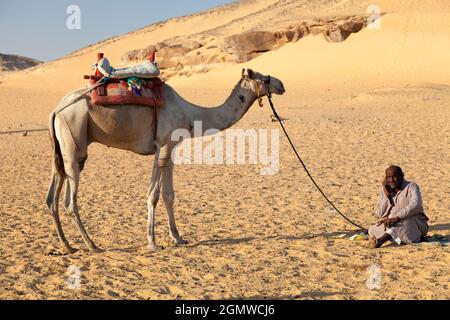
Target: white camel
(131, 127)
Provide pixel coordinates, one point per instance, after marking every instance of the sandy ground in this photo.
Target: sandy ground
(353, 109)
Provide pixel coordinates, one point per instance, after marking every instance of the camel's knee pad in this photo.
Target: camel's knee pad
(163, 162)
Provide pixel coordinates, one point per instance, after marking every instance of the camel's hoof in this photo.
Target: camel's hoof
(96, 250)
(69, 250)
(180, 242)
(61, 251)
(154, 247)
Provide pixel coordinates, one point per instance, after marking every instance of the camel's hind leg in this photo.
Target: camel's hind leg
(73, 156)
(73, 176)
(54, 192)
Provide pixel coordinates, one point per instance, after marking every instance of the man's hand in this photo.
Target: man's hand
(388, 222)
(386, 189)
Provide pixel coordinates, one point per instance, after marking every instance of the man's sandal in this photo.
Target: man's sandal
(373, 243)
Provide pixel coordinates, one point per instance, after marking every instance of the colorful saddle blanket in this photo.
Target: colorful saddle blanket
(129, 91)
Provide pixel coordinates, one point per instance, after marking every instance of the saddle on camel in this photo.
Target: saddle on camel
(138, 85)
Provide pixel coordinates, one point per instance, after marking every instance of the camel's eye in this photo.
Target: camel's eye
(267, 80)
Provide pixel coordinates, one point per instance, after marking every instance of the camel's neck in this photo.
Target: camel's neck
(225, 115)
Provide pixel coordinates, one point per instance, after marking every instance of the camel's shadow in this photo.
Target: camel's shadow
(440, 227)
(231, 241)
(214, 242)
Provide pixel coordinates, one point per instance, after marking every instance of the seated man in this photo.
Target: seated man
(400, 211)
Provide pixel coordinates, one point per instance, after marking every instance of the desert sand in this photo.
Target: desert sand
(353, 108)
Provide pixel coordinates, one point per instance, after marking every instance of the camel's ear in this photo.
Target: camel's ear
(250, 73)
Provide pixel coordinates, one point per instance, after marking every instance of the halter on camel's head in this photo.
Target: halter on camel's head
(263, 85)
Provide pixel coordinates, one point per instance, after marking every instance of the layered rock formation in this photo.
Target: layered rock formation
(10, 62)
(201, 52)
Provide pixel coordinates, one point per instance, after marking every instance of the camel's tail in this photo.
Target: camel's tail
(58, 159)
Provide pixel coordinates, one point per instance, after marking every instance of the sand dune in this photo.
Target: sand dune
(353, 108)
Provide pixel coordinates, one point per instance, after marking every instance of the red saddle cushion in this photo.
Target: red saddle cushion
(116, 92)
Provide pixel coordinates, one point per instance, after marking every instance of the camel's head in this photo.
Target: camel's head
(263, 85)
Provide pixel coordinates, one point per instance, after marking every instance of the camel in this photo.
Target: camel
(132, 127)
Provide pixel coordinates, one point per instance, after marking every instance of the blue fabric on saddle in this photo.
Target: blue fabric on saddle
(146, 70)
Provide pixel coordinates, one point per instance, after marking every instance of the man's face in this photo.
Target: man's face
(394, 178)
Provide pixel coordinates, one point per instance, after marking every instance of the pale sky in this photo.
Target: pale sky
(38, 29)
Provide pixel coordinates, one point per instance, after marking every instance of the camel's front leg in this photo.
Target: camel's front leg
(169, 197)
(152, 201)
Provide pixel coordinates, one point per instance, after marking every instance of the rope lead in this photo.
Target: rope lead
(269, 96)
